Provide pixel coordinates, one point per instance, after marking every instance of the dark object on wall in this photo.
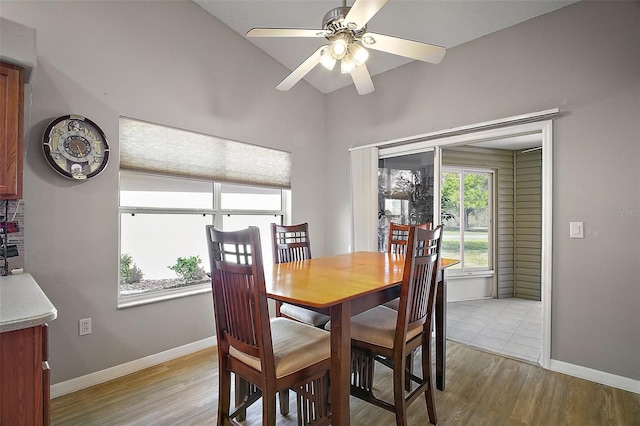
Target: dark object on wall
(75, 147)
(9, 227)
(11, 250)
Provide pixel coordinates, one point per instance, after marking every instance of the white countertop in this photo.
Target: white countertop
(23, 304)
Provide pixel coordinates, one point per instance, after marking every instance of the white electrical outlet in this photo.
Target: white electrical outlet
(84, 326)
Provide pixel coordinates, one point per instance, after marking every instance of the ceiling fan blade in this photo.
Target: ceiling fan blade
(362, 80)
(286, 32)
(302, 70)
(404, 47)
(362, 11)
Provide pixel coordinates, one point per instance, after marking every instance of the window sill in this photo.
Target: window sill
(457, 275)
(161, 296)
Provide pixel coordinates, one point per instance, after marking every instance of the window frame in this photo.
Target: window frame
(217, 214)
(489, 270)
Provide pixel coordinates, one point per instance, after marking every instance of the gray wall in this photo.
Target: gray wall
(585, 60)
(164, 62)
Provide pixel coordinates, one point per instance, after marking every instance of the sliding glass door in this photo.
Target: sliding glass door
(405, 191)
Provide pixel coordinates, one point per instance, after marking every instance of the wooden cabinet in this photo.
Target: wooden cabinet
(24, 377)
(11, 131)
(24, 351)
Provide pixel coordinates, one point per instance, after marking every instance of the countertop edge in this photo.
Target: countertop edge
(29, 322)
(23, 304)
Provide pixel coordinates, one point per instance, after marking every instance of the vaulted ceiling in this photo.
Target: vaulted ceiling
(444, 23)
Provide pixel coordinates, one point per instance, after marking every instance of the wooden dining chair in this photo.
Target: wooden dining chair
(397, 243)
(270, 355)
(292, 243)
(387, 336)
(398, 234)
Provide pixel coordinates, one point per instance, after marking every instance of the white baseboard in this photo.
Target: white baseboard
(597, 376)
(102, 376)
(79, 383)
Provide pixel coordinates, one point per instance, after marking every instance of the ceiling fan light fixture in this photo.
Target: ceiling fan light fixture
(327, 60)
(339, 46)
(347, 64)
(359, 53)
(345, 29)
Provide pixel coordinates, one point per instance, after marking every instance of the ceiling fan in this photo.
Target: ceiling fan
(346, 30)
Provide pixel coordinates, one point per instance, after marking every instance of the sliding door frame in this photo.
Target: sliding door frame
(535, 123)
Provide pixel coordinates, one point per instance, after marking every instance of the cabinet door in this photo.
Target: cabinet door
(21, 377)
(11, 131)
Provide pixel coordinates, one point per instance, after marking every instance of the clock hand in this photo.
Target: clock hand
(76, 144)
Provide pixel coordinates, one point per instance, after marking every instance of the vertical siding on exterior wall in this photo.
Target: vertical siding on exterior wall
(501, 161)
(528, 224)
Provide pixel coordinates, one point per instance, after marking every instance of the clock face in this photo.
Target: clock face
(75, 147)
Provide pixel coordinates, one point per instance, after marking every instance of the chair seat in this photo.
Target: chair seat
(393, 304)
(295, 346)
(377, 326)
(306, 316)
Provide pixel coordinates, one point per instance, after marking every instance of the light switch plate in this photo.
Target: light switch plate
(576, 229)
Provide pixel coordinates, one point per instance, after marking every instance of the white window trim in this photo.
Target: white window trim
(488, 271)
(124, 302)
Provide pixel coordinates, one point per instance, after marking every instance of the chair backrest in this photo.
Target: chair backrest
(239, 293)
(398, 235)
(290, 242)
(417, 297)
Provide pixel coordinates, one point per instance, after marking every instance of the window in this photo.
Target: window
(162, 220)
(466, 214)
(173, 183)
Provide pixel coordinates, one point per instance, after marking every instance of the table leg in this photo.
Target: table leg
(340, 363)
(441, 330)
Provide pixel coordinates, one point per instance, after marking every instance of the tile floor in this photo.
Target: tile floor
(511, 327)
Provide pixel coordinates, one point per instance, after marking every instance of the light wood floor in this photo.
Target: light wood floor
(482, 389)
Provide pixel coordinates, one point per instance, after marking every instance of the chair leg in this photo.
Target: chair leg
(224, 395)
(269, 406)
(241, 392)
(399, 385)
(427, 372)
(283, 396)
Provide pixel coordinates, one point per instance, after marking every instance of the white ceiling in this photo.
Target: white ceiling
(444, 23)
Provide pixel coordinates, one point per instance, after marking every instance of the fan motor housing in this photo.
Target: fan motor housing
(335, 14)
(334, 21)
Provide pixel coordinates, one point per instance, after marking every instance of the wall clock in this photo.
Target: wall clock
(75, 147)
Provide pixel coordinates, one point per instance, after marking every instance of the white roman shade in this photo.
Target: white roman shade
(153, 148)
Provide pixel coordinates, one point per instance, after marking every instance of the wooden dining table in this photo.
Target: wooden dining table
(345, 285)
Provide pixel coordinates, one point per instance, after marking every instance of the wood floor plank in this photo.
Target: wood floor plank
(482, 389)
